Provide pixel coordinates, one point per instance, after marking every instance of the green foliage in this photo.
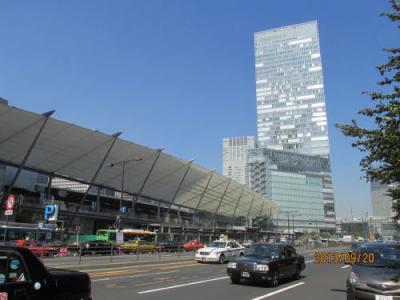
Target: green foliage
(325, 235)
(381, 144)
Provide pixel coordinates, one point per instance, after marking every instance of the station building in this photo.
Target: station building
(99, 180)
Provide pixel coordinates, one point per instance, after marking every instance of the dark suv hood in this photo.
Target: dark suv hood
(370, 274)
(66, 280)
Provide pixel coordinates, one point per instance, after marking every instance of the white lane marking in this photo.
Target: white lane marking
(133, 276)
(309, 261)
(279, 291)
(182, 285)
(345, 266)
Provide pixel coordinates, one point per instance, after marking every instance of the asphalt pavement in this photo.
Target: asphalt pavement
(181, 278)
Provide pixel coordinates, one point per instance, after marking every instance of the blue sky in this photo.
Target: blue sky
(180, 73)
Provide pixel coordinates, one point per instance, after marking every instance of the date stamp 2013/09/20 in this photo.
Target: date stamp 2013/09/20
(343, 258)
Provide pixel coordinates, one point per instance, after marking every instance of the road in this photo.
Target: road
(186, 279)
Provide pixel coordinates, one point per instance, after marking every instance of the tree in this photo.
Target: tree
(381, 144)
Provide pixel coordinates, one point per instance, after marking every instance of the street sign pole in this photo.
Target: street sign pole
(5, 231)
(9, 209)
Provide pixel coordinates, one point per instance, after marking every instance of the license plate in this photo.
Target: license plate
(203, 258)
(383, 297)
(246, 274)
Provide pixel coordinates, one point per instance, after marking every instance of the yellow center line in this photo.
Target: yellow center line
(124, 272)
(179, 266)
(131, 271)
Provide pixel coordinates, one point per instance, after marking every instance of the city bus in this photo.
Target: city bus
(115, 236)
(21, 233)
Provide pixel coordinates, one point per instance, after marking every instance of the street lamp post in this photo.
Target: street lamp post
(123, 164)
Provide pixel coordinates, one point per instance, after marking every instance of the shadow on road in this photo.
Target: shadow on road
(263, 284)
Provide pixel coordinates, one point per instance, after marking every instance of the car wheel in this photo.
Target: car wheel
(235, 279)
(275, 279)
(296, 276)
(350, 296)
(221, 259)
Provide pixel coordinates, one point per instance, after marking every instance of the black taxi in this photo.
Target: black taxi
(267, 262)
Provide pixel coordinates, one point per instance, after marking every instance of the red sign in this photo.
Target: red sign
(63, 252)
(4, 296)
(10, 202)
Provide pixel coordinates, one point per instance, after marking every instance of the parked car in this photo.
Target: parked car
(267, 262)
(23, 276)
(375, 273)
(220, 251)
(38, 248)
(137, 246)
(354, 247)
(97, 247)
(169, 247)
(247, 243)
(193, 245)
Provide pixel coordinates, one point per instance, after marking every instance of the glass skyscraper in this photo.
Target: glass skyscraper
(235, 150)
(291, 113)
(292, 165)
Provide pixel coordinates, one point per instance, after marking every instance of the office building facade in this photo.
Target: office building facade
(291, 112)
(235, 157)
(300, 184)
(291, 118)
(381, 201)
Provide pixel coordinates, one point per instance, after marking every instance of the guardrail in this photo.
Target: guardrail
(82, 255)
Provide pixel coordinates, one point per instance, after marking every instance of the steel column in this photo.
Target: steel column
(158, 210)
(205, 189)
(237, 203)
(262, 207)
(114, 139)
(28, 153)
(179, 187)
(222, 198)
(211, 174)
(251, 206)
(48, 190)
(139, 193)
(122, 186)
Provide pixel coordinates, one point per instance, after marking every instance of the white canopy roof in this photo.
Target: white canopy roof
(74, 152)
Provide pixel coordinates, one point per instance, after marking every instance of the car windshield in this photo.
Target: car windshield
(262, 251)
(380, 256)
(354, 246)
(217, 245)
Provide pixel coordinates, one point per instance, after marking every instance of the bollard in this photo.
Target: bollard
(112, 252)
(80, 254)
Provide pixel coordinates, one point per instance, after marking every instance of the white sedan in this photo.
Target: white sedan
(220, 252)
